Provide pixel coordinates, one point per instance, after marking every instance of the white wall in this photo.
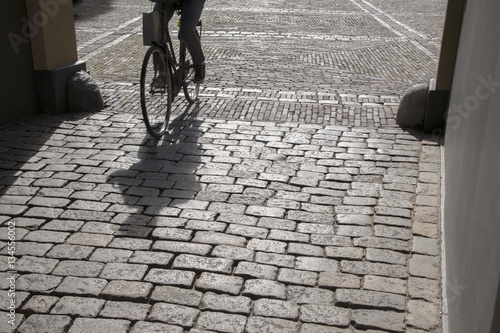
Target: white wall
(472, 173)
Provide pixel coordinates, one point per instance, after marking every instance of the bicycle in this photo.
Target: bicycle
(162, 76)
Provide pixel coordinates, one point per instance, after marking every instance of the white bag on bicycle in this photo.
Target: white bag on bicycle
(151, 27)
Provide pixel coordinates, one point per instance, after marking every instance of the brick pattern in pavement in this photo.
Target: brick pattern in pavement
(342, 62)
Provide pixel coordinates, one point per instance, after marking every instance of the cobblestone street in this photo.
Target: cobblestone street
(286, 200)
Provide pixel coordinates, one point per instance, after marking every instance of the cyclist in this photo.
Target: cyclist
(191, 14)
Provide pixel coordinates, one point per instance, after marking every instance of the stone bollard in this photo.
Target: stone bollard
(83, 93)
(411, 111)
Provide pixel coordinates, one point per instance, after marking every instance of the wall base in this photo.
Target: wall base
(437, 104)
(51, 87)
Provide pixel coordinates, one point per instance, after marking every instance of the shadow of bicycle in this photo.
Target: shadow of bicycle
(162, 182)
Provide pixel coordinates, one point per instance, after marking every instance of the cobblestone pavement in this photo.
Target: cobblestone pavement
(283, 202)
(341, 62)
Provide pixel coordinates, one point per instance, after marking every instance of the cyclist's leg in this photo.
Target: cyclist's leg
(170, 8)
(191, 13)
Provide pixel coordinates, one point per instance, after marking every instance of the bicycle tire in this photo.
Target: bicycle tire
(191, 89)
(156, 99)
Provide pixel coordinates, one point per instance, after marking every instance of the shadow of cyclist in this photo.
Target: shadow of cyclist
(153, 190)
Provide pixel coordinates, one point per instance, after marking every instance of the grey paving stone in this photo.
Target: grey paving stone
(40, 304)
(226, 303)
(385, 284)
(175, 234)
(88, 325)
(46, 236)
(426, 246)
(377, 319)
(325, 314)
(106, 255)
(221, 322)
(206, 226)
(305, 249)
(422, 288)
(258, 324)
(127, 290)
(220, 283)
(386, 256)
(237, 219)
(321, 218)
(32, 264)
(188, 261)
(429, 230)
(329, 240)
(99, 228)
(315, 228)
(310, 295)
(19, 298)
(173, 314)
(170, 277)
(130, 243)
(316, 264)
(276, 308)
(315, 328)
(38, 283)
(265, 245)
(40, 323)
(264, 288)
(151, 258)
(148, 327)
(69, 251)
(247, 231)
(288, 236)
(89, 239)
(81, 286)
(254, 270)
(63, 225)
(382, 243)
(338, 280)
(216, 238)
(393, 220)
(423, 314)
(125, 310)
(78, 306)
(262, 211)
(87, 215)
(182, 247)
(123, 271)
(275, 259)
(354, 219)
(78, 268)
(373, 299)
(424, 266)
(354, 231)
(344, 252)
(392, 232)
(233, 252)
(177, 295)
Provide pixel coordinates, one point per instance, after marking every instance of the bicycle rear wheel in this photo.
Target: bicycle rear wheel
(156, 91)
(191, 89)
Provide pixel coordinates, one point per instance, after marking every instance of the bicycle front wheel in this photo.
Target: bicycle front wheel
(191, 89)
(156, 91)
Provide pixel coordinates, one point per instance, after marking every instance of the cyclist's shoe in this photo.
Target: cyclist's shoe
(159, 82)
(199, 73)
